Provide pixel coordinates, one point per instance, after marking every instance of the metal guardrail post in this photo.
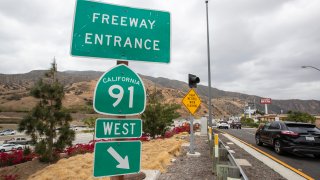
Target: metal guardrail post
(210, 140)
(215, 153)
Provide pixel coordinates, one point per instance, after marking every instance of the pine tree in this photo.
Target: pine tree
(42, 122)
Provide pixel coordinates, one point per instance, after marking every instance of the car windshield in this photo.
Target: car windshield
(303, 128)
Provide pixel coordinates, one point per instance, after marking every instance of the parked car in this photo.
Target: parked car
(235, 125)
(285, 136)
(223, 125)
(7, 132)
(18, 140)
(10, 147)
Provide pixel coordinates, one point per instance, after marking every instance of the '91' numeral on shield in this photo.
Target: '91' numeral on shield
(119, 96)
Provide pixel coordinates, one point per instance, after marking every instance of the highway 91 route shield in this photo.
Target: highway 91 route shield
(120, 91)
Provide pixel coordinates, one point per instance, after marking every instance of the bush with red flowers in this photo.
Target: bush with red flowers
(10, 177)
(176, 130)
(14, 157)
(80, 149)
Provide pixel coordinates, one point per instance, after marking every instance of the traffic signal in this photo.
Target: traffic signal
(193, 81)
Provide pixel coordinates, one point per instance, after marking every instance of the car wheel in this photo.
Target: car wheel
(278, 147)
(19, 148)
(2, 150)
(258, 141)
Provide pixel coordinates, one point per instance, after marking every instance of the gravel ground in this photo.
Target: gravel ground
(257, 170)
(201, 168)
(191, 167)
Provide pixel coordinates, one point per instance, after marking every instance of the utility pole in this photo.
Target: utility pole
(209, 70)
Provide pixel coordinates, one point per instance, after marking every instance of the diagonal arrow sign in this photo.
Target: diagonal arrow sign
(123, 163)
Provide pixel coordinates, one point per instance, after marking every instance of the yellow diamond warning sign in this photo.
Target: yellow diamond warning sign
(192, 101)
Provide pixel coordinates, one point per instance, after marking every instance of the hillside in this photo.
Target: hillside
(79, 86)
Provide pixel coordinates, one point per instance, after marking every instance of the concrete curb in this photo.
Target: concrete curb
(151, 174)
(196, 154)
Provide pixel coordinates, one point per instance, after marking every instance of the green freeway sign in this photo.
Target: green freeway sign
(116, 158)
(119, 91)
(118, 128)
(118, 32)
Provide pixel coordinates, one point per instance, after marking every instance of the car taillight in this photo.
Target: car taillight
(290, 133)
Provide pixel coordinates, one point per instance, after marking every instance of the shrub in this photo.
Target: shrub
(15, 157)
(9, 177)
(80, 149)
(26, 151)
(47, 158)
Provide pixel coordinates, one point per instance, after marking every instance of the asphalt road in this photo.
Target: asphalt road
(307, 164)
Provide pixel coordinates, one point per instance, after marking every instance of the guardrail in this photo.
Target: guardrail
(224, 163)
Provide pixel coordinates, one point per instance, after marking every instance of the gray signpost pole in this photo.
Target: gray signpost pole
(121, 177)
(191, 147)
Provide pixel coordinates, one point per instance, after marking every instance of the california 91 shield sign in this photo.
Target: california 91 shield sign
(120, 91)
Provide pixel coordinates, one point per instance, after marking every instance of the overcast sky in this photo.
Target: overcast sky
(257, 46)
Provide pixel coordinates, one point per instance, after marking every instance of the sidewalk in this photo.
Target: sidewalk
(191, 167)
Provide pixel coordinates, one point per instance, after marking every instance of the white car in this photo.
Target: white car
(10, 147)
(223, 125)
(8, 132)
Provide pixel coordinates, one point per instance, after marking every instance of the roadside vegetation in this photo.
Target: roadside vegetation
(90, 122)
(298, 116)
(48, 115)
(158, 116)
(249, 122)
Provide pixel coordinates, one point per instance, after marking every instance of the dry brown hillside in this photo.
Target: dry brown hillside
(79, 97)
(79, 85)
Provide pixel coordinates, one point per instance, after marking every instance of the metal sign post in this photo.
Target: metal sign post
(192, 145)
(192, 102)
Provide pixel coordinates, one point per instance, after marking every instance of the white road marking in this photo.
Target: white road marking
(251, 133)
(243, 162)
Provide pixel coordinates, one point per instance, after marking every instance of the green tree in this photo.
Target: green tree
(300, 117)
(259, 112)
(91, 123)
(48, 115)
(248, 122)
(157, 117)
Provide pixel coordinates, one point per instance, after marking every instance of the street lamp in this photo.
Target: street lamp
(310, 67)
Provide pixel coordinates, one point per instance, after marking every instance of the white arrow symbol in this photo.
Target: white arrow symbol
(123, 163)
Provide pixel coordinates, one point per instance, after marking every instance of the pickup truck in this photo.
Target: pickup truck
(18, 140)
